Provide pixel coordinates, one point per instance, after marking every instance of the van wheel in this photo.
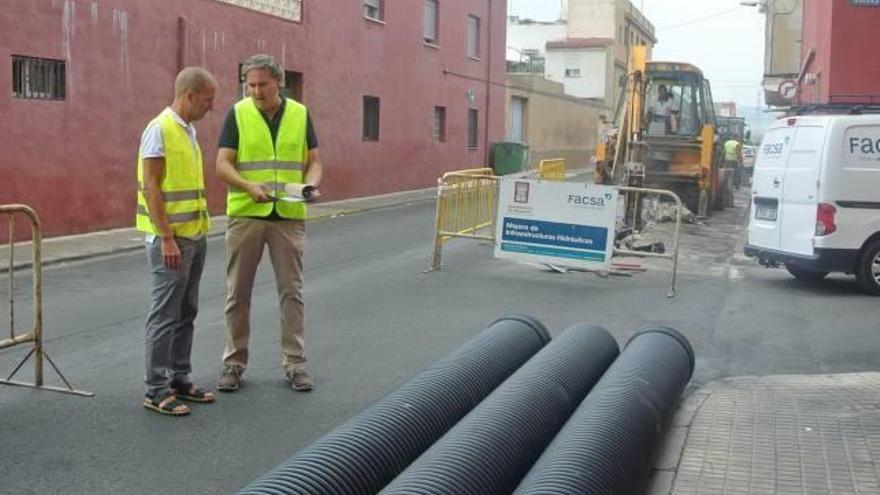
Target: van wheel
(805, 275)
(868, 269)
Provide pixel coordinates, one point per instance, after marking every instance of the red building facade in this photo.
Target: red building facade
(395, 100)
(839, 52)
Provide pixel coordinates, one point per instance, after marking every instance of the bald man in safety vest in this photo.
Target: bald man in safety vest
(173, 212)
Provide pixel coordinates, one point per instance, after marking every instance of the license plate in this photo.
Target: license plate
(765, 213)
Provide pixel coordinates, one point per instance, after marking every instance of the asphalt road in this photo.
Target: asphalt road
(373, 319)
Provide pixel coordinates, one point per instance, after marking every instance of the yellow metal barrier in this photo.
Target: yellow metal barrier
(35, 334)
(466, 204)
(553, 169)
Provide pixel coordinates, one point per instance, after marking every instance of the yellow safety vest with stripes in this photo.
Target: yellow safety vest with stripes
(183, 187)
(258, 159)
(731, 150)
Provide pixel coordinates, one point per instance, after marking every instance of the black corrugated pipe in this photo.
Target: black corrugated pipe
(368, 451)
(492, 448)
(609, 443)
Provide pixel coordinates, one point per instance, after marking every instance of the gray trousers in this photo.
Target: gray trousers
(169, 328)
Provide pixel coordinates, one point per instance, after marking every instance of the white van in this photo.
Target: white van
(816, 198)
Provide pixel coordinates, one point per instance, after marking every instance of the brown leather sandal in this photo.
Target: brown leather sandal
(196, 394)
(169, 406)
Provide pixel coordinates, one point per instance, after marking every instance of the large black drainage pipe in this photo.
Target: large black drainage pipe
(364, 454)
(609, 443)
(492, 448)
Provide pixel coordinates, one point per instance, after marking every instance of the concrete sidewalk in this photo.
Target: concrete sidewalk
(92, 244)
(786, 434)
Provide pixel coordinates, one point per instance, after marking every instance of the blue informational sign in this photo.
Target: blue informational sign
(560, 223)
(555, 239)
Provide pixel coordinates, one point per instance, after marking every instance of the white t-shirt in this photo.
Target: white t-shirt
(153, 146)
(664, 108)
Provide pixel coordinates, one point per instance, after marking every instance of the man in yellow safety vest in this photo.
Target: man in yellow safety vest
(173, 212)
(733, 157)
(269, 160)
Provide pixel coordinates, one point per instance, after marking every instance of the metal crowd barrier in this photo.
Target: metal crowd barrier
(553, 169)
(673, 255)
(35, 334)
(466, 205)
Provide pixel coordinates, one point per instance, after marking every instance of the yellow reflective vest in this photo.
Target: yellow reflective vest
(731, 150)
(183, 187)
(258, 159)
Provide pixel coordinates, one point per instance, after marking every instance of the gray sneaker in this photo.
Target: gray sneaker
(230, 379)
(299, 379)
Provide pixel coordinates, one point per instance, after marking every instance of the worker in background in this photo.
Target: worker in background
(665, 110)
(173, 212)
(733, 159)
(268, 150)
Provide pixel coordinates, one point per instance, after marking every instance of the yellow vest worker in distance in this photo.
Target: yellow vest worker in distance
(731, 150)
(268, 155)
(173, 212)
(733, 157)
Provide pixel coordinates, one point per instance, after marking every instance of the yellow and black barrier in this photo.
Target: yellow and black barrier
(466, 206)
(34, 336)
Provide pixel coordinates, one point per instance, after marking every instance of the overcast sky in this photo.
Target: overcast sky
(720, 37)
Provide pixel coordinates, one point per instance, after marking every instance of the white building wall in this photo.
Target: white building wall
(531, 37)
(592, 19)
(590, 61)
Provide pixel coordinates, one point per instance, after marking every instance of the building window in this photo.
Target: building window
(517, 130)
(371, 118)
(38, 78)
(473, 46)
(432, 15)
(573, 73)
(440, 124)
(293, 86)
(374, 9)
(473, 128)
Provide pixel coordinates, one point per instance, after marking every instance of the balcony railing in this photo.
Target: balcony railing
(526, 67)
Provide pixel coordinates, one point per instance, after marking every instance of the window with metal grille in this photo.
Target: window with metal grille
(371, 118)
(440, 124)
(38, 78)
(473, 128)
(473, 42)
(373, 9)
(432, 11)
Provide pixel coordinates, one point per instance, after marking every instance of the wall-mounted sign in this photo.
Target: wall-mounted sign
(788, 89)
(286, 9)
(865, 3)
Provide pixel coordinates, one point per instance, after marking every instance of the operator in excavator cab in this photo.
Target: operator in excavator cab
(664, 110)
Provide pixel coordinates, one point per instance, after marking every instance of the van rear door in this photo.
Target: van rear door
(767, 182)
(800, 190)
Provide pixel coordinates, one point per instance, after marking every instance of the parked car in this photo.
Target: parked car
(816, 198)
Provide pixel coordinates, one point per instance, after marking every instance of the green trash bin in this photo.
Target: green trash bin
(508, 157)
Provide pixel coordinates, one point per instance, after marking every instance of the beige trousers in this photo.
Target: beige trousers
(245, 239)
